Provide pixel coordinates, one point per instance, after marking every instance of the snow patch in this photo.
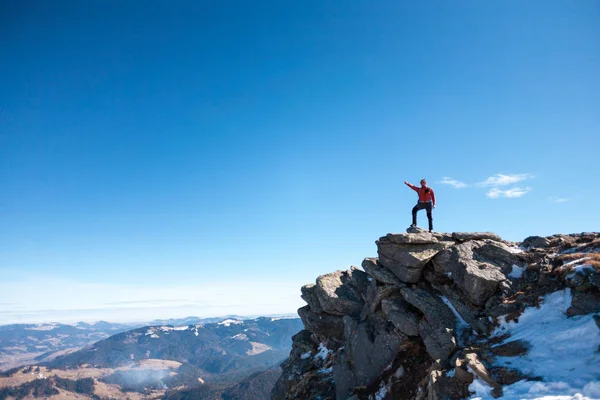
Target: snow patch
(228, 322)
(381, 393)
(305, 355)
(323, 352)
(517, 272)
(240, 336)
(563, 353)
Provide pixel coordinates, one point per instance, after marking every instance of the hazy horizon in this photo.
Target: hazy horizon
(216, 156)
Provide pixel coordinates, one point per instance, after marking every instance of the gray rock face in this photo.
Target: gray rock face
(466, 236)
(343, 375)
(309, 295)
(432, 307)
(438, 338)
(438, 324)
(340, 292)
(322, 323)
(397, 313)
(470, 316)
(373, 345)
(375, 294)
(479, 280)
(406, 254)
(379, 272)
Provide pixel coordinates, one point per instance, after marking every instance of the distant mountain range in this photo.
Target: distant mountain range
(25, 344)
(226, 359)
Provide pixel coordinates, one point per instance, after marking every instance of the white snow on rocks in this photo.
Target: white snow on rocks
(323, 352)
(517, 272)
(563, 353)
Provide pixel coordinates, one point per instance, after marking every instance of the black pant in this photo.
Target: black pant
(420, 206)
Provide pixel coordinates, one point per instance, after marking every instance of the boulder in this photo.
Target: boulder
(379, 272)
(466, 236)
(584, 303)
(406, 254)
(310, 296)
(478, 279)
(340, 292)
(535, 241)
(321, 323)
(396, 311)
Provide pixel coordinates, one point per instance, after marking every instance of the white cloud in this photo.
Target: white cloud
(515, 192)
(503, 180)
(558, 199)
(453, 182)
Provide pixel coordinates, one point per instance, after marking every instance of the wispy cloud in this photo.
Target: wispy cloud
(558, 199)
(503, 179)
(515, 192)
(453, 182)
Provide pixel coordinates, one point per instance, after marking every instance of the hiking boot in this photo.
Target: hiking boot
(413, 226)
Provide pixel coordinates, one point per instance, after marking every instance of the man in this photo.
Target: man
(426, 201)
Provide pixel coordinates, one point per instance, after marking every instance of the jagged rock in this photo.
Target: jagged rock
(439, 340)
(398, 314)
(340, 292)
(379, 272)
(466, 236)
(438, 325)
(479, 369)
(322, 323)
(430, 305)
(535, 241)
(497, 253)
(468, 314)
(512, 349)
(296, 367)
(343, 375)
(584, 303)
(479, 280)
(422, 237)
(406, 254)
(375, 294)
(461, 372)
(372, 344)
(310, 296)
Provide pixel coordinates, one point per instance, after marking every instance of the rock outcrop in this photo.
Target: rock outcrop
(416, 323)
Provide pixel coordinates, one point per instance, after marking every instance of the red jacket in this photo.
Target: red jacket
(425, 194)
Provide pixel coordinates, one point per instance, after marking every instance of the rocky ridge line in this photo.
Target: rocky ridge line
(415, 320)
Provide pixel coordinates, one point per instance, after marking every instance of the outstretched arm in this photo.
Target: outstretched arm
(413, 187)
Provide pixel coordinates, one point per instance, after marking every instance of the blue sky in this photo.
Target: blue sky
(164, 159)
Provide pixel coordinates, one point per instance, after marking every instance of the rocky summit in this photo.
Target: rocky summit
(434, 317)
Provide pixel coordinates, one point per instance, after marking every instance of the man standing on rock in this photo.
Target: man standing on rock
(426, 201)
